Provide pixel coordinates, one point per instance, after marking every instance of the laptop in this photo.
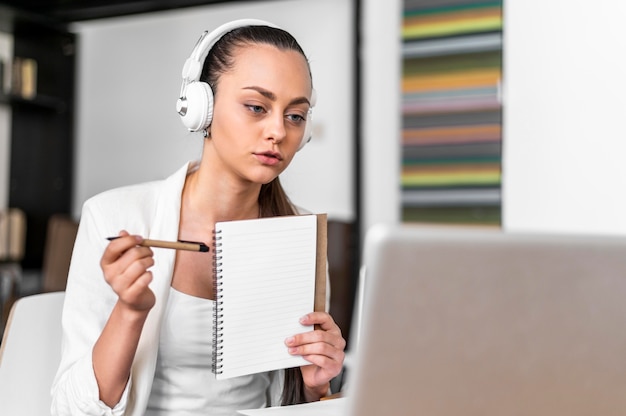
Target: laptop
(474, 321)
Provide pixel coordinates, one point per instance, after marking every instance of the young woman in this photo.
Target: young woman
(137, 322)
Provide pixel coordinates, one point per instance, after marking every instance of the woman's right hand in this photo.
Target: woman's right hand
(125, 265)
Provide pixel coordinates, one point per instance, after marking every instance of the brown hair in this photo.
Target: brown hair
(273, 200)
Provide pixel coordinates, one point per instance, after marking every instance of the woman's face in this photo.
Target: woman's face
(260, 112)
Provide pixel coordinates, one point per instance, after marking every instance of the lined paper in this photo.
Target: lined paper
(266, 274)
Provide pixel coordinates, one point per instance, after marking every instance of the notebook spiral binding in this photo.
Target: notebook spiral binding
(218, 322)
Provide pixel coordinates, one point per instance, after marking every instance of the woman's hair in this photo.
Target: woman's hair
(221, 56)
(273, 200)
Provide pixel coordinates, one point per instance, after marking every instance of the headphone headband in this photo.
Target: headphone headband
(193, 65)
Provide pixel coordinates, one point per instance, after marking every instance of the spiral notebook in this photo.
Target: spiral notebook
(269, 273)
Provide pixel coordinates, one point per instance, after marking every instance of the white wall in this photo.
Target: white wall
(564, 102)
(6, 53)
(564, 161)
(129, 79)
(381, 114)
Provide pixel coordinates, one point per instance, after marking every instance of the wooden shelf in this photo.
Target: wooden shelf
(42, 102)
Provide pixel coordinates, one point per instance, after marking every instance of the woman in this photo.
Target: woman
(137, 322)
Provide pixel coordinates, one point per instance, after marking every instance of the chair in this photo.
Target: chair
(60, 238)
(30, 354)
(12, 247)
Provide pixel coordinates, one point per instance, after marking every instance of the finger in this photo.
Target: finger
(126, 259)
(329, 365)
(139, 296)
(333, 339)
(136, 262)
(320, 370)
(134, 287)
(309, 338)
(319, 349)
(139, 285)
(131, 266)
(119, 246)
(323, 319)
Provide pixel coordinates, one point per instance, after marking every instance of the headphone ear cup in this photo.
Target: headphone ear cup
(308, 128)
(308, 131)
(199, 103)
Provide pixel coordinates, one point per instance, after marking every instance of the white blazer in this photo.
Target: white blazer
(151, 210)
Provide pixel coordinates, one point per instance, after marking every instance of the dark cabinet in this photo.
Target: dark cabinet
(42, 131)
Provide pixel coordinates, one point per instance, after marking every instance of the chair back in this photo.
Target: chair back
(12, 247)
(30, 354)
(57, 255)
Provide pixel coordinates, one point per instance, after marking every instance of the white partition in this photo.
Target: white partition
(381, 113)
(564, 111)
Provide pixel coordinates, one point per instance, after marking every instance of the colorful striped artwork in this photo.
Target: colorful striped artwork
(451, 107)
(421, 22)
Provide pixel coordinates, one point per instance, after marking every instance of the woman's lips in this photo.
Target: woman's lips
(268, 158)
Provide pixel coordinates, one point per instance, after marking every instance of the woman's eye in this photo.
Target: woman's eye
(295, 118)
(257, 109)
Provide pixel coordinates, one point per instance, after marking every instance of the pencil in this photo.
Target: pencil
(176, 245)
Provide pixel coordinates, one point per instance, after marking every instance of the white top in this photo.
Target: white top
(184, 384)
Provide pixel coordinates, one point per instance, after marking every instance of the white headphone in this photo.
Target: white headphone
(195, 104)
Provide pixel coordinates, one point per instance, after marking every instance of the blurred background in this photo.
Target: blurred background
(492, 113)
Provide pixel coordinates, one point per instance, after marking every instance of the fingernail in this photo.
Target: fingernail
(289, 341)
(304, 319)
(292, 350)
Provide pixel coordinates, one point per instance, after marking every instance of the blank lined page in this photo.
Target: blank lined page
(266, 282)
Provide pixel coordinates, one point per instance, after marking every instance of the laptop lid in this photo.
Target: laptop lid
(471, 321)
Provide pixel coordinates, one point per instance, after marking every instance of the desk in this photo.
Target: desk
(334, 407)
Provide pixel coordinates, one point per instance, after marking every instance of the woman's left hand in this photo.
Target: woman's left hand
(324, 348)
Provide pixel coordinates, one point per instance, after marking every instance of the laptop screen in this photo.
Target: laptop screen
(473, 321)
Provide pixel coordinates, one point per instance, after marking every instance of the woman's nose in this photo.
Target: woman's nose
(276, 130)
